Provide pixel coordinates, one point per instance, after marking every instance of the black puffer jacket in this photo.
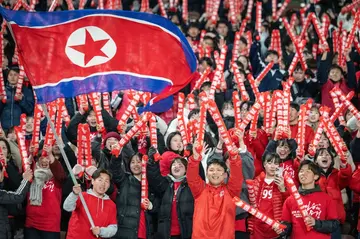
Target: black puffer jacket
(128, 203)
(7, 198)
(164, 187)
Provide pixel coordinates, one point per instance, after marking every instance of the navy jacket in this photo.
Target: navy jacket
(11, 110)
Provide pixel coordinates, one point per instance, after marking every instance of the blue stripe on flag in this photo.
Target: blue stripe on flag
(102, 83)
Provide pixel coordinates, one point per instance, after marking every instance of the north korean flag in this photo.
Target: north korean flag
(77, 52)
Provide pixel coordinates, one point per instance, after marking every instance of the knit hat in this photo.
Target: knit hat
(111, 135)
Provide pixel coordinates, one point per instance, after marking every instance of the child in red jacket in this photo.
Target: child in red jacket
(102, 209)
(322, 218)
(214, 212)
(332, 180)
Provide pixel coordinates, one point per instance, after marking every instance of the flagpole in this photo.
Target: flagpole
(61, 147)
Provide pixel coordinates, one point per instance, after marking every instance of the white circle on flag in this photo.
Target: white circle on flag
(79, 40)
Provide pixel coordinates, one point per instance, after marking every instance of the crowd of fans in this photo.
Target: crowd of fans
(191, 188)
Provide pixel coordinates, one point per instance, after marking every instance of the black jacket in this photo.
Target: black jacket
(11, 183)
(128, 203)
(7, 198)
(103, 156)
(71, 132)
(164, 188)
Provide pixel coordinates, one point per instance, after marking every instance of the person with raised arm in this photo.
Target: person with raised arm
(214, 212)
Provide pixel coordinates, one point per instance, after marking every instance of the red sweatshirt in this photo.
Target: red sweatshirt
(214, 212)
(47, 216)
(291, 168)
(102, 210)
(319, 206)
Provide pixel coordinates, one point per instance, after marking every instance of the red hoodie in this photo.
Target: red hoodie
(165, 162)
(102, 210)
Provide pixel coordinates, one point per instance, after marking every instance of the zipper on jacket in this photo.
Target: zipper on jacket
(11, 108)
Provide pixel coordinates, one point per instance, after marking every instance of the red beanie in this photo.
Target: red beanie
(109, 135)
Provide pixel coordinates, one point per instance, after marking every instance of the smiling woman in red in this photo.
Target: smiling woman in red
(270, 194)
(214, 215)
(333, 180)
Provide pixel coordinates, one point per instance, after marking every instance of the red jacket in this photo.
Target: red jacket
(103, 213)
(47, 216)
(214, 212)
(264, 194)
(333, 184)
(355, 181)
(355, 186)
(256, 147)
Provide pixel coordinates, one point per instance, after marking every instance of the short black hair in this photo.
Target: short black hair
(207, 37)
(205, 84)
(14, 68)
(298, 67)
(287, 41)
(268, 157)
(222, 21)
(99, 171)
(248, 103)
(193, 112)
(243, 39)
(194, 25)
(208, 61)
(218, 162)
(336, 66)
(271, 52)
(312, 166)
(177, 159)
(295, 106)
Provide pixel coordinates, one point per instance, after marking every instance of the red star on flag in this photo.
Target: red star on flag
(90, 48)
